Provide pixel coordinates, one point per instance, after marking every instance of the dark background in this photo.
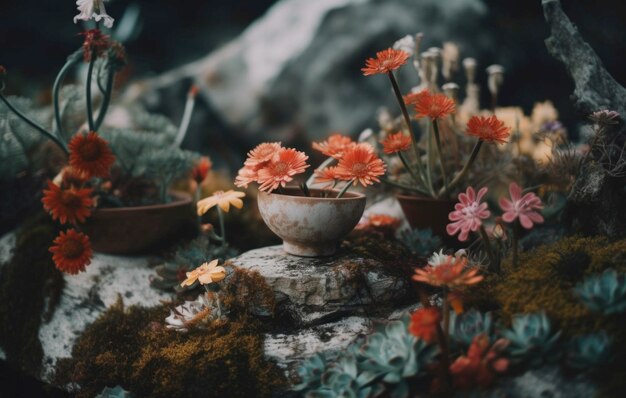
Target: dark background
(37, 35)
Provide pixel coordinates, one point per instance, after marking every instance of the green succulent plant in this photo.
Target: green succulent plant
(311, 371)
(532, 339)
(466, 326)
(590, 351)
(345, 380)
(604, 293)
(116, 392)
(421, 242)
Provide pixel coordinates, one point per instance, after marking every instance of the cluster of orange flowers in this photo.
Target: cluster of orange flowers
(356, 162)
(68, 200)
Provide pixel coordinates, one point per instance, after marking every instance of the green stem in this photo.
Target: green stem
(409, 169)
(407, 121)
(406, 187)
(106, 99)
(32, 123)
(322, 166)
(56, 88)
(466, 168)
(220, 215)
(197, 195)
(88, 95)
(348, 185)
(446, 314)
(514, 245)
(429, 161)
(443, 169)
(494, 266)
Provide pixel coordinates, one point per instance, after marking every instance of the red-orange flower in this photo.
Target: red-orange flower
(327, 174)
(201, 169)
(68, 205)
(335, 146)
(262, 154)
(95, 44)
(481, 364)
(281, 169)
(71, 251)
(397, 142)
(450, 271)
(424, 323)
(434, 106)
(361, 165)
(386, 61)
(246, 176)
(414, 98)
(488, 129)
(68, 177)
(383, 221)
(91, 155)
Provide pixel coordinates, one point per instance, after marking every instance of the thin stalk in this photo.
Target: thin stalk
(305, 190)
(348, 185)
(466, 168)
(99, 78)
(409, 169)
(514, 245)
(322, 166)
(220, 215)
(56, 88)
(494, 266)
(106, 99)
(88, 95)
(443, 169)
(429, 161)
(407, 121)
(406, 187)
(197, 195)
(33, 124)
(186, 120)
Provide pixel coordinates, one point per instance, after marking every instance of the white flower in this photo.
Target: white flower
(406, 44)
(93, 9)
(438, 258)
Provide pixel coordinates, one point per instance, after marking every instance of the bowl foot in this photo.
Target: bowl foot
(298, 249)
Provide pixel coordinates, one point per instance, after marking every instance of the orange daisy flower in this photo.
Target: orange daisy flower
(327, 174)
(246, 176)
(71, 252)
(397, 142)
(68, 205)
(91, 155)
(449, 271)
(386, 61)
(383, 221)
(201, 169)
(414, 98)
(424, 323)
(434, 106)
(68, 177)
(488, 129)
(262, 154)
(281, 169)
(361, 165)
(335, 146)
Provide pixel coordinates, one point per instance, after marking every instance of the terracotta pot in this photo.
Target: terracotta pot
(422, 213)
(134, 230)
(311, 226)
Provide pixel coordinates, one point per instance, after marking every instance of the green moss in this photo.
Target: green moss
(131, 347)
(29, 281)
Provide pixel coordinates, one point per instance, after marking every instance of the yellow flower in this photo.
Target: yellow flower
(206, 273)
(221, 199)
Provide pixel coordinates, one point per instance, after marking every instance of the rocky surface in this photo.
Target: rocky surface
(315, 290)
(599, 188)
(87, 295)
(295, 72)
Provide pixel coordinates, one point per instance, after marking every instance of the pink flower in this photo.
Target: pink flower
(468, 213)
(522, 207)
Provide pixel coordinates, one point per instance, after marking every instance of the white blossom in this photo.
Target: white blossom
(93, 9)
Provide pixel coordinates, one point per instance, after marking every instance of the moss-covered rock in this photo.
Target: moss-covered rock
(30, 286)
(132, 348)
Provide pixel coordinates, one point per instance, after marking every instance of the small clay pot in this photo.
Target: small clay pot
(135, 230)
(311, 226)
(422, 213)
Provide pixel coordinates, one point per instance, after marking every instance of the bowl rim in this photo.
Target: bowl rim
(354, 196)
(181, 198)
